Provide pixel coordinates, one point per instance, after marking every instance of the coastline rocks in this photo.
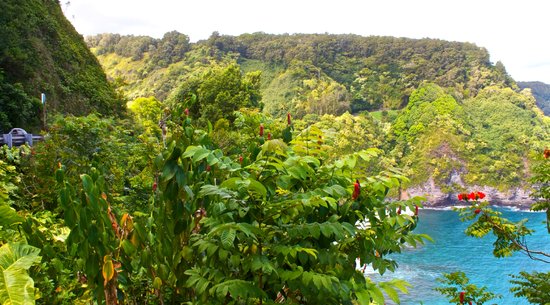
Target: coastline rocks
(436, 197)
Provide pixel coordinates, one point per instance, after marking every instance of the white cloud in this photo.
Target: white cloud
(514, 32)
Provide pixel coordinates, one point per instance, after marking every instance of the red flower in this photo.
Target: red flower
(477, 211)
(269, 135)
(472, 196)
(288, 120)
(356, 190)
(186, 111)
(480, 195)
(240, 159)
(546, 153)
(208, 168)
(399, 211)
(154, 186)
(460, 197)
(461, 297)
(261, 130)
(415, 210)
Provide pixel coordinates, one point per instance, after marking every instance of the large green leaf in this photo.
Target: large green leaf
(8, 216)
(16, 286)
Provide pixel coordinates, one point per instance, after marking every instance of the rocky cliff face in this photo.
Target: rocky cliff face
(436, 197)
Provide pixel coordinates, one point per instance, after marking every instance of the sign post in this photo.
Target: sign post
(43, 99)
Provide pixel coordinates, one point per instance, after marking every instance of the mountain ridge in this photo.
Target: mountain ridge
(377, 72)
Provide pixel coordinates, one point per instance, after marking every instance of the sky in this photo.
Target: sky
(514, 32)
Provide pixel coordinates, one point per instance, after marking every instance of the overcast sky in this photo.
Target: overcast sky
(515, 32)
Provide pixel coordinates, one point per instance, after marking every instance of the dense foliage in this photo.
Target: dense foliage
(42, 52)
(217, 92)
(277, 221)
(442, 139)
(308, 73)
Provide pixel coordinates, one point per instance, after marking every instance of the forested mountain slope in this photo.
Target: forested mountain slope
(340, 72)
(440, 110)
(40, 51)
(541, 92)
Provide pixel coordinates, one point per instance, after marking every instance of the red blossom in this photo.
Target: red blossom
(288, 119)
(356, 190)
(463, 196)
(477, 211)
(261, 130)
(269, 135)
(186, 111)
(480, 195)
(546, 153)
(208, 168)
(461, 297)
(472, 196)
(154, 186)
(399, 211)
(415, 210)
(240, 159)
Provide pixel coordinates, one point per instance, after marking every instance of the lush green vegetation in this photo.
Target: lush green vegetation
(42, 52)
(307, 73)
(427, 126)
(487, 139)
(134, 219)
(247, 170)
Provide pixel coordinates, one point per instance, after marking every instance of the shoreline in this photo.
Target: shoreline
(506, 207)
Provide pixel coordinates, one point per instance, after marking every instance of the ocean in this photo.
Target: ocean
(453, 251)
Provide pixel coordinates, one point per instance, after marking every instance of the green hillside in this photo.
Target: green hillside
(40, 51)
(440, 110)
(344, 72)
(541, 92)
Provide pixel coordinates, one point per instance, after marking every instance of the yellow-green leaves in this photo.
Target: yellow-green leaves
(16, 286)
(108, 269)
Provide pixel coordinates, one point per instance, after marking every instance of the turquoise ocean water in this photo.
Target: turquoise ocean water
(453, 251)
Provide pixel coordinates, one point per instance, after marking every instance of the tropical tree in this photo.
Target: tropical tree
(279, 225)
(217, 92)
(511, 237)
